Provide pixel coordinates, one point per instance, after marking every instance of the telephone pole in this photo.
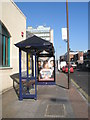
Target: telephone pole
(68, 50)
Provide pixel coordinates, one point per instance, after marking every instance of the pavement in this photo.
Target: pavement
(81, 78)
(54, 101)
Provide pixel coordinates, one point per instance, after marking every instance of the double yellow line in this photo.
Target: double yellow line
(81, 91)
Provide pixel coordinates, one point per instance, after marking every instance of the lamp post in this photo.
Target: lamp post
(68, 50)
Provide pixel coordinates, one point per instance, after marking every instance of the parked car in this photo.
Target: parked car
(73, 64)
(71, 69)
(63, 69)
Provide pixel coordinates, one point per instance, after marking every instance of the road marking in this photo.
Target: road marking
(81, 91)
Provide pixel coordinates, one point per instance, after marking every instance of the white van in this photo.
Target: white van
(62, 63)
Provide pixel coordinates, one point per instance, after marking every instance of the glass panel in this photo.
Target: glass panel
(29, 65)
(6, 51)
(4, 46)
(23, 64)
(0, 29)
(3, 53)
(0, 50)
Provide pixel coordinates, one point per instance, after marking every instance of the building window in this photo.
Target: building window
(4, 48)
(5, 54)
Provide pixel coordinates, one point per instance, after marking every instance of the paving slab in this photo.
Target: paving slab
(52, 101)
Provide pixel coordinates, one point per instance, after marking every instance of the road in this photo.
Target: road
(81, 78)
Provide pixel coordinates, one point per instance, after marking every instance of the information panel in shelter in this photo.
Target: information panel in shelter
(46, 69)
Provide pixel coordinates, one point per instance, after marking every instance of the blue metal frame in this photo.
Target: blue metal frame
(35, 77)
(27, 79)
(20, 79)
(29, 96)
(27, 66)
(31, 78)
(27, 72)
(46, 83)
(21, 94)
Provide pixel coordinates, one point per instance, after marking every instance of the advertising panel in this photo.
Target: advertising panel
(46, 69)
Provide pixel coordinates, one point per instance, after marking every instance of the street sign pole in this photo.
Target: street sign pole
(68, 50)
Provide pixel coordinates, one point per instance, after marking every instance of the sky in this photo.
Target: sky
(53, 14)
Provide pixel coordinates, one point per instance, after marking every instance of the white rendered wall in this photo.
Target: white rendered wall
(15, 22)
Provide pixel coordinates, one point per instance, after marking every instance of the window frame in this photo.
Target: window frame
(5, 51)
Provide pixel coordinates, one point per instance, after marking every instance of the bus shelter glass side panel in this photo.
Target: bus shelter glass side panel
(46, 69)
(24, 64)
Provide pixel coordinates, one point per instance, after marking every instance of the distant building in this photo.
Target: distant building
(71, 55)
(79, 57)
(62, 58)
(76, 56)
(86, 55)
(41, 31)
(86, 59)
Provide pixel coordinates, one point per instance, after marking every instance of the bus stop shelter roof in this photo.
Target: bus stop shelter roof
(35, 43)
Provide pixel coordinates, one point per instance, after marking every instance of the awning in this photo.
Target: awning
(35, 43)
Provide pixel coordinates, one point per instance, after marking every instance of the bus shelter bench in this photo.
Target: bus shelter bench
(28, 83)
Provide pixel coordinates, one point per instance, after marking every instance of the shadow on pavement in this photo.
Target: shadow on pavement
(61, 86)
(58, 100)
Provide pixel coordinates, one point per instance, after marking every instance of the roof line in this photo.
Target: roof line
(18, 8)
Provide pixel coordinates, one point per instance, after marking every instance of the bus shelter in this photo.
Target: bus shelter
(43, 66)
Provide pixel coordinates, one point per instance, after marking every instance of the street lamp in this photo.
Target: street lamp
(68, 50)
